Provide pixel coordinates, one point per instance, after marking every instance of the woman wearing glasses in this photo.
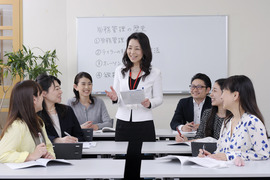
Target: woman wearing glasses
(188, 112)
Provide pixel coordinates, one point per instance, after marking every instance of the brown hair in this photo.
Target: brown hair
(22, 108)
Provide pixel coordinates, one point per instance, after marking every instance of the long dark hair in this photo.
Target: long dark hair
(45, 82)
(209, 127)
(76, 81)
(147, 54)
(243, 85)
(22, 107)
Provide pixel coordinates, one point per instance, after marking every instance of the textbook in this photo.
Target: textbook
(204, 162)
(108, 129)
(39, 162)
(181, 143)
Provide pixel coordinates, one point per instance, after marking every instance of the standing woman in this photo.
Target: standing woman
(90, 111)
(212, 119)
(135, 123)
(243, 133)
(24, 137)
(61, 123)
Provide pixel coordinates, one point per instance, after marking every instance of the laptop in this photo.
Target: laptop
(208, 146)
(68, 150)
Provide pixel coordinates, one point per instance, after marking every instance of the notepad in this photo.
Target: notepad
(204, 162)
(39, 162)
(133, 96)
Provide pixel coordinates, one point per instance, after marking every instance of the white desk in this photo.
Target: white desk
(107, 148)
(162, 169)
(162, 147)
(160, 133)
(80, 169)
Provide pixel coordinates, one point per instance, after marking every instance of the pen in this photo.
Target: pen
(179, 131)
(66, 133)
(203, 148)
(40, 137)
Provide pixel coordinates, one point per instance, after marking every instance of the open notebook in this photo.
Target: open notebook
(39, 162)
(204, 162)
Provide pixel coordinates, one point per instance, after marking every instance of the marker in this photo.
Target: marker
(66, 133)
(203, 148)
(179, 131)
(40, 138)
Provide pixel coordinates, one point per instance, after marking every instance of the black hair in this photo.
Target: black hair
(76, 81)
(147, 54)
(204, 78)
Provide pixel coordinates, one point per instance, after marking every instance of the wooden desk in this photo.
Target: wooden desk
(80, 169)
(173, 169)
(107, 148)
(163, 147)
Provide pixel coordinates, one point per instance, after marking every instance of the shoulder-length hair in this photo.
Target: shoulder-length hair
(147, 54)
(22, 107)
(46, 81)
(76, 81)
(247, 99)
(209, 127)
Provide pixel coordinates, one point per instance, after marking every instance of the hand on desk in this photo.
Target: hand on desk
(66, 139)
(188, 127)
(89, 124)
(181, 138)
(40, 151)
(218, 156)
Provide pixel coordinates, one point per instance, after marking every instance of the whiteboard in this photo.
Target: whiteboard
(181, 45)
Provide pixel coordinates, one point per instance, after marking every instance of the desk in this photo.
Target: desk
(107, 148)
(173, 169)
(162, 147)
(160, 134)
(80, 169)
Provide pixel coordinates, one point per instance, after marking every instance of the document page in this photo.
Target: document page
(133, 96)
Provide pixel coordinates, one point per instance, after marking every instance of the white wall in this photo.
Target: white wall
(51, 24)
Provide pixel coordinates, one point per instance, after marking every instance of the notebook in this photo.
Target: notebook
(68, 150)
(208, 146)
(133, 96)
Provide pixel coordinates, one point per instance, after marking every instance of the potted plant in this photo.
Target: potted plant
(25, 65)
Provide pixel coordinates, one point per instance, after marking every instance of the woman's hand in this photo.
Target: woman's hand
(203, 153)
(218, 156)
(94, 127)
(112, 95)
(188, 127)
(40, 151)
(66, 139)
(86, 125)
(181, 138)
(238, 161)
(48, 156)
(146, 103)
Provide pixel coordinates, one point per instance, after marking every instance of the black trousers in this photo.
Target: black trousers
(135, 133)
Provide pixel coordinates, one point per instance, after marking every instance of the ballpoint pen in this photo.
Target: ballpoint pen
(203, 148)
(179, 131)
(40, 138)
(66, 133)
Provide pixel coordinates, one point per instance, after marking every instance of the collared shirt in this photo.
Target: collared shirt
(197, 111)
(56, 124)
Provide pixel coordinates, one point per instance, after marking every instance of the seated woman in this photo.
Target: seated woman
(91, 111)
(24, 137)
(61, 123)
(243, 133)
(213, 118)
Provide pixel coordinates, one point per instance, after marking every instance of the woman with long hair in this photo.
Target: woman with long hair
(213, 118)
(243, 134)
(90, 111)
(61, 123)
(135, 122)
(24, 137)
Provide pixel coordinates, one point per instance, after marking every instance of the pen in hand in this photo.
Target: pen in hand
(203, 148)
(40, 138)
(179, 131)
(66, 133)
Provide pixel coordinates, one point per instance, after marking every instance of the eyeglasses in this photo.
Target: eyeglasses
(199, 87)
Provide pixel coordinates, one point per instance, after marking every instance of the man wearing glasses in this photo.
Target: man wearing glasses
(189, 110)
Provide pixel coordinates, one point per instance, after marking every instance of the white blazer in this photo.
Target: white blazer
(152, 86)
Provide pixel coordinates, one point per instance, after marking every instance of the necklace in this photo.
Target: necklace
(51, 109)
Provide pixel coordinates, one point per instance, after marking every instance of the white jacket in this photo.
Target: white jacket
(152, 86)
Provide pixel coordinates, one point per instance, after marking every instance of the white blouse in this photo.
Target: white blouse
(248, 139)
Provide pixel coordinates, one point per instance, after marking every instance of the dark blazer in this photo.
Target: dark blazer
(185, 112)
(68, 123)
